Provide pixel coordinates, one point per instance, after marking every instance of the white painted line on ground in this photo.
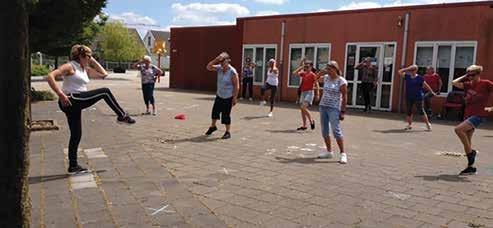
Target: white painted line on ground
(81, 181)
(156, 211)
(399, 195)
(95, 153)
(293, 147)
(310, 144)
(306, 149)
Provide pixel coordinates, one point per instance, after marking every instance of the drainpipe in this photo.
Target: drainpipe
(403, 57)
(281, 58)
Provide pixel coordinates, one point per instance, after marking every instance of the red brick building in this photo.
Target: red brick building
(449, 37)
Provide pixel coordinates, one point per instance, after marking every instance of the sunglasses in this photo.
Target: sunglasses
(471, 74)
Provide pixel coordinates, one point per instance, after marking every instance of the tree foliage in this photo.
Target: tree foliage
(119, 44)
(57, 25)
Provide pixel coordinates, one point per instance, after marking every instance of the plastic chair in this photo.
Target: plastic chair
(455, 102)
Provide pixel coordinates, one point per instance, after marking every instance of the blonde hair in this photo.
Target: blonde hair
(335, 65)
(147, 58)
(78, 50)
(414, 67)
(475, 68)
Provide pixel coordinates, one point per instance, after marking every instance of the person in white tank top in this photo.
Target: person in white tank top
(74, 96)
(270, 84)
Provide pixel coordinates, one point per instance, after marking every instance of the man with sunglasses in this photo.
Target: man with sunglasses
(477, 93)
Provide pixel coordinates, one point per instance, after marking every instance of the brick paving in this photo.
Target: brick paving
(162, 172)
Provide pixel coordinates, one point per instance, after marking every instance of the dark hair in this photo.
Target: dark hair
(309, 63)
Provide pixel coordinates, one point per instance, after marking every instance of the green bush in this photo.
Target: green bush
(39, 70)
(164, 69)
(41, 95)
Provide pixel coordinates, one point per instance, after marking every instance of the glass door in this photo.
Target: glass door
(382, 59)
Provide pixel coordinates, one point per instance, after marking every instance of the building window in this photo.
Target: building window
(319, 54)
(450, 59)
(149, 42)
(260, 55)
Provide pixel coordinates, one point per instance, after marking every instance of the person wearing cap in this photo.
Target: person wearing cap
(369, 80)
(332, 108)
(73, 97)
(308, 82)
(247, 81)
(149, 74)
(435, 83)
(414, 94)
(476, 111)
(227, 92)
(270, 84)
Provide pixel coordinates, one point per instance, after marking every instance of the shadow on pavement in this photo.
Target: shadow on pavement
(254, 117)
(394, 131)
(197, 139)
(42, 179)
(444, 177)
(289, 131)
(313, 160)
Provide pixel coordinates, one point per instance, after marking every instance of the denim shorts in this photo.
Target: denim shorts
(306, 97)
(475, 121)
(329, 118)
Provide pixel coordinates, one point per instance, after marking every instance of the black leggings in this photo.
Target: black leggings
(222, 108)
(367, 88)
(273, 91)
(81, 101)
(247, 82)
(148, 92)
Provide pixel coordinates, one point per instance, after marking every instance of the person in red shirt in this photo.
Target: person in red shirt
(308, 80)
(477, 93)
(435, 82)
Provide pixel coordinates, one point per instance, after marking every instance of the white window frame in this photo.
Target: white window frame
(303, 46)
(453, 45)
(254, 47)
(380, 73)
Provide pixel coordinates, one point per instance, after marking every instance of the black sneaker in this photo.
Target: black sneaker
(301, 129)
(77, 169)
(211, 129)
(469, 171)
(312, 125)
(125, 120)
(226, 135)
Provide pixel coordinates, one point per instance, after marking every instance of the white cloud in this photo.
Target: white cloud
(197, 14)
(133, 18)
(360, 5)
(266, 13)
(370, 4)
(273, 2)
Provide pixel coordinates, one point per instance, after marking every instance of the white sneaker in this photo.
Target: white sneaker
(241, 98)
(154, 113)
(343, 159)
(428, 127)
(250, 99)
(326, 155)
(270, 114)
(262, 103)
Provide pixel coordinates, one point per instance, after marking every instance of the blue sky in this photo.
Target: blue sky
(163, 14)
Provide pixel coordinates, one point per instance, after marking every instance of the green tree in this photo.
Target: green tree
(55, 26)
(14, 112)
(119, 45)
(39, 23)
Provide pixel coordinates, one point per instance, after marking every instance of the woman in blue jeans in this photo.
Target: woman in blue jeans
(332, 108)
(149, 74)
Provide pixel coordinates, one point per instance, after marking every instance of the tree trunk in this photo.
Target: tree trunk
(14, 114)
(56, 62)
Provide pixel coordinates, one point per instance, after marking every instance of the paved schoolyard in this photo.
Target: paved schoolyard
(162, 172)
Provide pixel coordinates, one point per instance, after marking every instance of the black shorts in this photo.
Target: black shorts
(419, 106)
(222, 110)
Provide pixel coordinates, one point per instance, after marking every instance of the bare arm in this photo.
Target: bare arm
(440, 84)
(236, 87)
(343, 101)
(211, 66)
(426, 86)
(96, 70)
(298, 70)
(63, 70)
(458, 82)
(403, 71)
